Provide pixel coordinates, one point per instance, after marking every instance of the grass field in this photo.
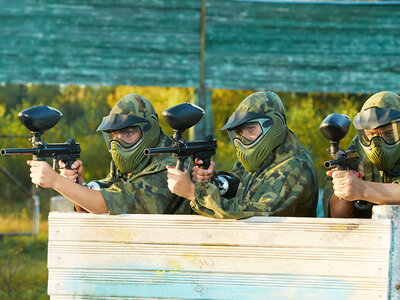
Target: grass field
(23, 259)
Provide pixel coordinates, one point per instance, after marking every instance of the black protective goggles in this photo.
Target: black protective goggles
(119, 121)
(241, 117)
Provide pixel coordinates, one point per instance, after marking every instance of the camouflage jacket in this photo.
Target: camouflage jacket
(144, 191)
(371, 173)
(284, 185)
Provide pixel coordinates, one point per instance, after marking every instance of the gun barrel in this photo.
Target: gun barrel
(19, 151)
(340, 161)
(185, 149)
(50, 151)
(332, 163)
(154, 151)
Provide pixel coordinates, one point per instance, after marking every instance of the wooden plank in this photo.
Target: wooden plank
(199, 230)
(302, 47)
(194, 257)
(299, 46)
(333, 2)
(100, 42)
(179, 285)
(392, 212)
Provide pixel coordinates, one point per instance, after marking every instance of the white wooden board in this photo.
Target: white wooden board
(193, 257)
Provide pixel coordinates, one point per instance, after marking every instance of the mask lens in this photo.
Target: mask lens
(233, 134)
(364, 140)
(390, 134)
(126, 137)
(250, 132)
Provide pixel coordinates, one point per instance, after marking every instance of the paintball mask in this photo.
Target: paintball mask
(127, 136)
(379, 134)
(252, 152)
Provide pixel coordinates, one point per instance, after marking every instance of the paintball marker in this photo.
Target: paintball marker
(181, 117)
(38, 119)
(334, 128)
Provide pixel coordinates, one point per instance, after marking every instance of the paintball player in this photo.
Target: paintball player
(136, 183)
(275, 173)
(378, 176)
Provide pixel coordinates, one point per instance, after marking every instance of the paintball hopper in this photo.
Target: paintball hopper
(39, 118)
(182, 116)
(335, 127)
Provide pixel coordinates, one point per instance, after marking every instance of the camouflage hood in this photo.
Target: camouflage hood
(262, 102)
(136, 105)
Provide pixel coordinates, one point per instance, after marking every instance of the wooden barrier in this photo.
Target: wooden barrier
(194, 257)
(392, 212)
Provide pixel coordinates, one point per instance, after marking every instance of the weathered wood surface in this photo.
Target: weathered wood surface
(392, 212)
(317, 46)
(303, 47)
(98, 42)
(193, 257)
(333, 2)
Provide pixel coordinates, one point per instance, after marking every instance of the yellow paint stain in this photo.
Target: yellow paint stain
(343, 227)
(190, 255)
(124, 236)
(165, 272)
(173, 264)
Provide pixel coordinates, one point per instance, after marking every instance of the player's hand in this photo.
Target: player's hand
(347, 185)
(179, 183)
(199, 174)
(74, 173)
(42, 174)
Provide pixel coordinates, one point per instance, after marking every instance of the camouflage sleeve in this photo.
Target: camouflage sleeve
(238, 170)
(111, 174)
(290, 189)
(148, 194)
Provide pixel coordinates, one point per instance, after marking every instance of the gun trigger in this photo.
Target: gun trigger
(54, 164)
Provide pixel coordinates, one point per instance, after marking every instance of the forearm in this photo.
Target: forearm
(339, 208)
(90, 200)
(381, 193)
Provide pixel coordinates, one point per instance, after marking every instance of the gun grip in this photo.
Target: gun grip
(68, 165)
(362, 205)
(206, 163)
(180, 164)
